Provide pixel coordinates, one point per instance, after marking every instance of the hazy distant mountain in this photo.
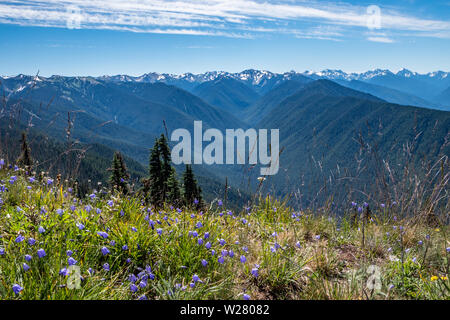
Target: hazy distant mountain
(320, 125)
(259, 80)
(444, 98)
(425, 86)
(126, 116)
(270, 100)
(390, 95)
(227, 94)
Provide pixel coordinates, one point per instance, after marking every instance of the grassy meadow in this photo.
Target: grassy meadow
(108, 246)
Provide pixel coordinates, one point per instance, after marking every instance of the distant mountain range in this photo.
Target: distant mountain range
(411, 88)
(320, 116)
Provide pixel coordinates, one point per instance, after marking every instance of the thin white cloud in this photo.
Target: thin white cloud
(380, 39)
(229, 18)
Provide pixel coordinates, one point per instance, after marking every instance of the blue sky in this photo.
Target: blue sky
(98, 37)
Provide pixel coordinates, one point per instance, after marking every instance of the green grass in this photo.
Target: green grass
(301, 255)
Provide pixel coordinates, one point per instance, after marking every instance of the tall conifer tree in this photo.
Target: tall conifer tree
(25, 154)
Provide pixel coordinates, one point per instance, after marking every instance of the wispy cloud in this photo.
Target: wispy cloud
(227, 18)
(380, 39)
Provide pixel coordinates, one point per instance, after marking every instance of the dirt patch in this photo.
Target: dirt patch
(349, 254)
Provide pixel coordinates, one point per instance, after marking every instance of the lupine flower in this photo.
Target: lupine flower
(41, 229)
(195, 234)
(105, 251)
(124, 247)
(16, 288)
(221, 260)
(246, 296)
(206, 235)
(102, 234)
(243, 259)
(255, 272)
(132, 278)
(19, 238)
(192, 284)
(222, 242)
(224, 253)
(143, 284)
(208, 245)
(106, 266)
(200, 241)
(80, 226)
(195, 278)
(71, 261)
(204, 262)
(41, 253)
(231, 253)
(31, 241)
(28, 257)
(26, 267)
(133, 288)
(63, 272)
(159, 231)
(213, 252)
